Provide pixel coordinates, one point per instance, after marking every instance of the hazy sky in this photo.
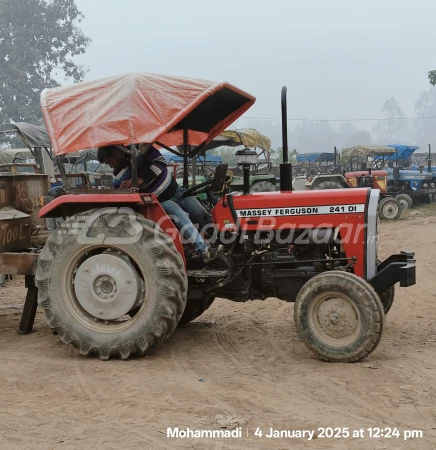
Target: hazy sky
(339, 58)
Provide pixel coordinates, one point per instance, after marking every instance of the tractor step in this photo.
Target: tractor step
(207, 273)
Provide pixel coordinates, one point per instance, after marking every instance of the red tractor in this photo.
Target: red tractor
(354, 173)
(116, 278)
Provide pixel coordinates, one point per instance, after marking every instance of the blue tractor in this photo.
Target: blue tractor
(430, 168)
(410, 184)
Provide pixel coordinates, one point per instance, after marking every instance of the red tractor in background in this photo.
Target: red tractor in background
(116, 279)
(352, 172)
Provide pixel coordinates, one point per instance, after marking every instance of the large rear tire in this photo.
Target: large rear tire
(195, 308)
(339, 316)
(389, 209)
(110, 261)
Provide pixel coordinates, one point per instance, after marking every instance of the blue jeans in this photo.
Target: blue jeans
(184, 211)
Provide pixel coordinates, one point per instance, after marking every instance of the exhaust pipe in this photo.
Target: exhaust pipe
(285, 167)
(429, 159)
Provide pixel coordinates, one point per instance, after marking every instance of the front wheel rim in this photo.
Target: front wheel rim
(335, 319)
(390, 209)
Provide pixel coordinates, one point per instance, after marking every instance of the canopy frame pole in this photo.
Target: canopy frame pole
(185, 157)
(175, 152)
(134, 161)
(194, 168)
(65, 180)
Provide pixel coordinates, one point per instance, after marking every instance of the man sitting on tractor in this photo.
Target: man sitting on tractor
(154, 178)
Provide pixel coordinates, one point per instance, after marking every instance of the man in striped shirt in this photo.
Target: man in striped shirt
(155, 178)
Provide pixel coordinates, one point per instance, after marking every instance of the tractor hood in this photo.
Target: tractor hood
(410, 174)
(350, 212)
(139, 108)
(433, 169)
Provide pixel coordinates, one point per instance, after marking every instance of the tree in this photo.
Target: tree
(425, 106)
(432, 77)
(277, 156)
(358, 138)
(38, 41)
(387, 129)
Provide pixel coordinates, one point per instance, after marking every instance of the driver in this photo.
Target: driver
(154, 177)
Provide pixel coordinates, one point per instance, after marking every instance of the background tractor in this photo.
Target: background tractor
(202, 169)
(410, 184)
(115, 278)
(352, 170)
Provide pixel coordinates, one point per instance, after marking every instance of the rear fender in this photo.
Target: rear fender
(147, 205)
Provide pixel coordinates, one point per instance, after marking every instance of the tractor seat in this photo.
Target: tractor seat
(219, 179)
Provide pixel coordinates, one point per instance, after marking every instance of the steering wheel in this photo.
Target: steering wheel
(379, 165)
(198, 189)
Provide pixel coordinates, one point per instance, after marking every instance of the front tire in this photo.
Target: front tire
(339, 316)
(405, 201)
(389, 209)
(387, 299)
(99, 266)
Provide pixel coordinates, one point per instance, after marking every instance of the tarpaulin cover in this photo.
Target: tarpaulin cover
(248, 137)
(32, 135)
(366, 150)
(315, 157)
(404, 152)
(139, 108)
(210, 159)
(20, 155)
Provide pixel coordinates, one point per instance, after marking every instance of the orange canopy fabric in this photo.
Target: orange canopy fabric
(139, 108)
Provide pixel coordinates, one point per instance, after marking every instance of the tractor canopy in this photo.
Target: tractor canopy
(315, 157)
(364, 151)
(140, 108)
(404, 152)
(33, 136)
(248, 137)
(210, 160)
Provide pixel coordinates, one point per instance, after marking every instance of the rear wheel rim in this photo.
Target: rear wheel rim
(335, 319)
(85, 315)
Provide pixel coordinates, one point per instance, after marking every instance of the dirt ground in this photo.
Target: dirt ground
(239, 365)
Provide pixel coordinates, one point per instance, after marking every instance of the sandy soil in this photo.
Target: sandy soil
(237, 365)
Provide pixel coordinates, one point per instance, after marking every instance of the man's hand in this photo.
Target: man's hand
(126, 184)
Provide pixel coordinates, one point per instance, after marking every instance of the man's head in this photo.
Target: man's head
(114, 156)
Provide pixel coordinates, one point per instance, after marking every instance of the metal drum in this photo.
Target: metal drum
(23, 192)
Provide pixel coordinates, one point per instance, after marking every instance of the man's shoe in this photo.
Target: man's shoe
(210, 253)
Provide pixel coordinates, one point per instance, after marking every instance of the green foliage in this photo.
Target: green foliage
(432, 77)
(38, 41)
(277, 156)
(227, 154)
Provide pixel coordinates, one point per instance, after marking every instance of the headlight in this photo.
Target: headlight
(415, 183)
(432, 185)
(424, 185)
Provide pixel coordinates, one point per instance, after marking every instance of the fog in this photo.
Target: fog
(341, 60)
